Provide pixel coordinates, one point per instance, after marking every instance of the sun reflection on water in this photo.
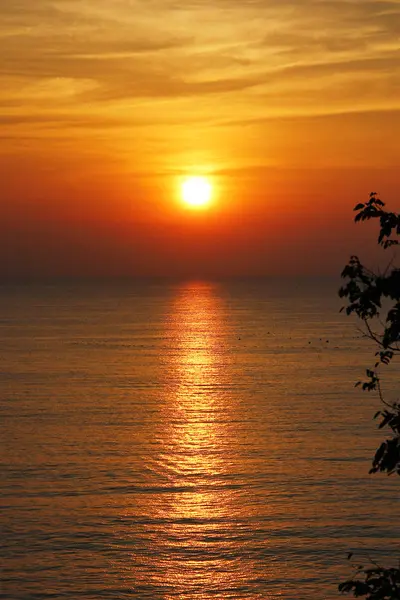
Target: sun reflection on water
(197, 442)
(197, 526)
(196, 397)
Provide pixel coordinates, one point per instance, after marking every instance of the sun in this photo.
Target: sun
(196, 192)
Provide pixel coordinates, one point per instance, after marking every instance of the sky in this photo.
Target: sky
(291, 109)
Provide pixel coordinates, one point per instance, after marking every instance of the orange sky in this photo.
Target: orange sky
(292, 108)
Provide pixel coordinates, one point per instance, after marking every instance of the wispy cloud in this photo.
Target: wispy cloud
(94, 62)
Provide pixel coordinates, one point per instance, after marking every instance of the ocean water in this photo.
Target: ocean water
(188, 440)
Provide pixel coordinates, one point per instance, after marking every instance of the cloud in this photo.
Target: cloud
(59, 120)
(58, 56)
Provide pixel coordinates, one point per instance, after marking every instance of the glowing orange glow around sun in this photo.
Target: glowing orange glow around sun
(196, 192)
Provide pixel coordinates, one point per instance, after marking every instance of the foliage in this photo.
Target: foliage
(378, 584)
(366, 292)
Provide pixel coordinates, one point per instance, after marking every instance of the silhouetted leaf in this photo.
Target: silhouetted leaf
(364, 291)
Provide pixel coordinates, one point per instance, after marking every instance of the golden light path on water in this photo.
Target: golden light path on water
(202, 549)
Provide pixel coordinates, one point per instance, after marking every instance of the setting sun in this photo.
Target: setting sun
(196, 192)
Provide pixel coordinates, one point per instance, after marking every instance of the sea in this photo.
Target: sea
(188, 440)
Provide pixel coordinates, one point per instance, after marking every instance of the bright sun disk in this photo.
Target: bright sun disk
(196, 191)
